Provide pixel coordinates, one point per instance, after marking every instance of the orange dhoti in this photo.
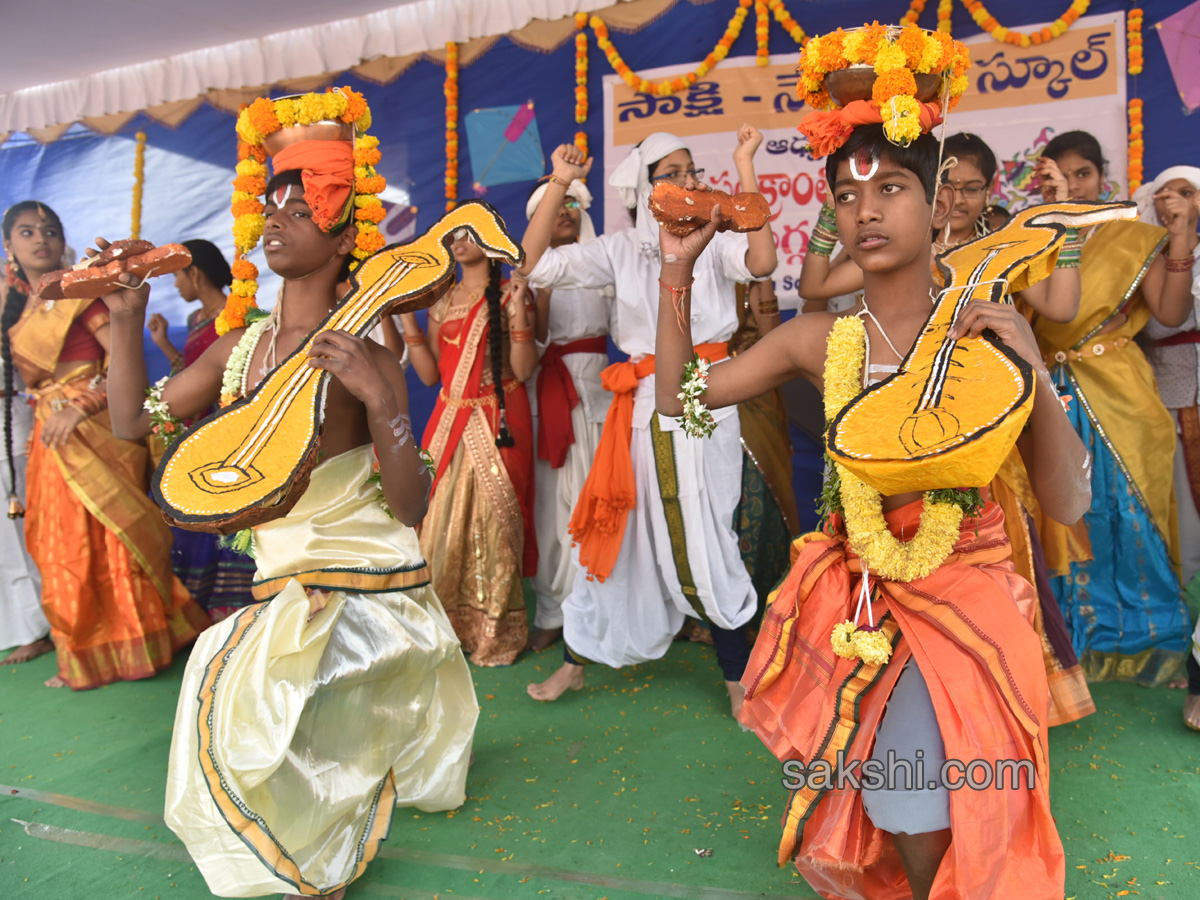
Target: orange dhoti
(116, 610)
(968, 626)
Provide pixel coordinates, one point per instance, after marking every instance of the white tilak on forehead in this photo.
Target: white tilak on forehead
(854, 170)
(282, 194)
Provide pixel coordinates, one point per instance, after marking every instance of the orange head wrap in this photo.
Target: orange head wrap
(828, 130)
(327, 170)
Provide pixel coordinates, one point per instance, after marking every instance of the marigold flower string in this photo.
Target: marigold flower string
(762, 24)
(450, 89)
(1137, 147)
(1058, 28)
(1133, 34)
(255, 123)
(139, 180)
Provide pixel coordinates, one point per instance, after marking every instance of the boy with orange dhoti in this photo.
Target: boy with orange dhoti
(940, 662)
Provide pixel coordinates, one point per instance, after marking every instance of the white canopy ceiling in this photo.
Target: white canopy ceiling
(67, 60)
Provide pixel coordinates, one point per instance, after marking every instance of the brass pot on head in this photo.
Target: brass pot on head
(856, 83)
(318, 131)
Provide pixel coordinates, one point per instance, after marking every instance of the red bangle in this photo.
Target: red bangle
(415, 340)
(1180, 265)
(523, 336)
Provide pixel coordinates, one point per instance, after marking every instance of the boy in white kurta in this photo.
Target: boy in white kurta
(678, 553)
(569, 405)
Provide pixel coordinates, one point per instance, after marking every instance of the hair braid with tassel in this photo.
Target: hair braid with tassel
(496, 349)
(14, 304)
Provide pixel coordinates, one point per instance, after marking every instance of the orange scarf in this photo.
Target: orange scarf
(327, 170)
(828, 130)
(598, 522)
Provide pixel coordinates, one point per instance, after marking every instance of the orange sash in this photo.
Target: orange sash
(968, 626)
(598, 522)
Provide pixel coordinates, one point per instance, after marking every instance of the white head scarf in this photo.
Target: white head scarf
(578, 190)
(1144, 196)
(631, 180)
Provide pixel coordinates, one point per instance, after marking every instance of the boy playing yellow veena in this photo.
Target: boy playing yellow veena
(940, 660)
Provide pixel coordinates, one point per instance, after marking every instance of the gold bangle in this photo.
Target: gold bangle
(521, 336)
(415, 340)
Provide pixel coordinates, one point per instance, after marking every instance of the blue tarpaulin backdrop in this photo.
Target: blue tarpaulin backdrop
(88, 179)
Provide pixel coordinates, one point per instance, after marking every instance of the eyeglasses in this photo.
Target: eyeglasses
(570, 203)
(970, 191)
(679, 177)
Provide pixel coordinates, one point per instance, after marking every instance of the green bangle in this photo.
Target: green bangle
(827, 219)
(820, 246)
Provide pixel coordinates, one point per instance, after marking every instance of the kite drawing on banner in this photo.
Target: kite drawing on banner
(505, 145)
(1180, 36)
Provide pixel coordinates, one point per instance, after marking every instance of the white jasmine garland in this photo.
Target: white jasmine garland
(696, 420)
(235, 368)
(165, 425)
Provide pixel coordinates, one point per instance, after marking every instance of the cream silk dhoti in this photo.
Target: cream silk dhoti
(305, 720)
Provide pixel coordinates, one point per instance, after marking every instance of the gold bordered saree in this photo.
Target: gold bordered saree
(304, 720)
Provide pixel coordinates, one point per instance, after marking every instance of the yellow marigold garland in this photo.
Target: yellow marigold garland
(866, 528)
(1137, 147)
(139, 180)
(1059, 27)
(581, 67)
(450, 89)
(915, 8)
(1133, 33)
(762, 24)
(988, 22)
(669, 86)
(784, 18)
(255, 122)
(945, 8)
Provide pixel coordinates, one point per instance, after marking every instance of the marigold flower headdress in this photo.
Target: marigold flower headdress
(879, 74)
(336, 182)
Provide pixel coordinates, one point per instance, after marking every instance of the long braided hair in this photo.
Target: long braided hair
(14, 304)
(496, 349)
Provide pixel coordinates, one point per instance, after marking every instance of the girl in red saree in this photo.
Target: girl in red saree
(116, 611)
(478, 534)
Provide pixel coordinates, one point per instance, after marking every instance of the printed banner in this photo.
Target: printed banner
(1019, 98)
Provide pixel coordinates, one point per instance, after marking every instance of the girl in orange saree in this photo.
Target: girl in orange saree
(116, 611)
(478, 534)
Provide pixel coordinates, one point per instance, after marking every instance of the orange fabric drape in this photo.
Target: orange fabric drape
(598, 521)
(827, 131)
(327, 170)
(968, 626)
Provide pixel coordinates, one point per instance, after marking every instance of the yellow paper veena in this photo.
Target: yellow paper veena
(952, 412)
(250, 462)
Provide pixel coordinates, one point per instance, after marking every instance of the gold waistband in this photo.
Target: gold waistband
(1099, 348)
(87, 370)
(488, 399)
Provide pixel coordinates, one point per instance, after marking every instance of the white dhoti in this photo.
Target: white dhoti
(679, 555)
(556, 490)
(305, 720)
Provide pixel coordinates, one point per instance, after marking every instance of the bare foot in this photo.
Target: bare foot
(543, 638)
(569, 677)
(56, 681)
(737, 694)
(1177, 684)
(337, 895)
(28, 651)
(1191, 712)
